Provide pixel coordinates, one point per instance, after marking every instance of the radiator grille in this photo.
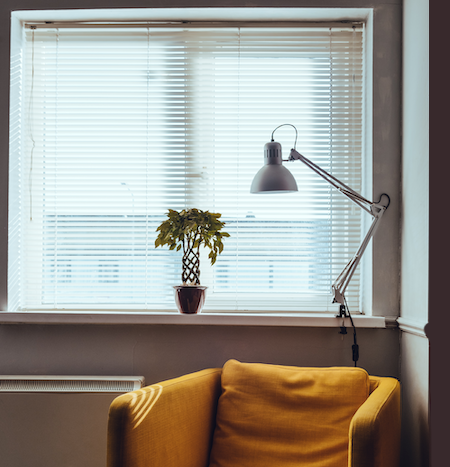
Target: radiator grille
(18, 383)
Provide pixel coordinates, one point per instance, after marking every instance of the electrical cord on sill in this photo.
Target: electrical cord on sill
(344, 312)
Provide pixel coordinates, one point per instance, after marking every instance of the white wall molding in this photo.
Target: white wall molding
(412, 327)
(391, 322)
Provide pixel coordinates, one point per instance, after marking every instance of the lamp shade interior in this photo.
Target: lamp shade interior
(273, 179)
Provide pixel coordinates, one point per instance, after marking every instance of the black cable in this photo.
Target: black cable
(355, 346)
(287, 124)
(389, 199)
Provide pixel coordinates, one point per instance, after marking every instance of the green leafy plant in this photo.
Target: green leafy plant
(190, 229)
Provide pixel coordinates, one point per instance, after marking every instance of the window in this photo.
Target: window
(116, 123)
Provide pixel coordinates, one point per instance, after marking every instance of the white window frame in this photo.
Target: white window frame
(211, 14)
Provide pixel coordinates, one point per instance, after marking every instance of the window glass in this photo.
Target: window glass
(120, 124)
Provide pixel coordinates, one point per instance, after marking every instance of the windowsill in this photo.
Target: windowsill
(202, 319)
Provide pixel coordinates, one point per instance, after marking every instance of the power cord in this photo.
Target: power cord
(344, 312)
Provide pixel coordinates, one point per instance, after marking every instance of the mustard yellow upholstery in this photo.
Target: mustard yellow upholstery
(167, 424)
(374, 436)
(247, 415)
(286, 416)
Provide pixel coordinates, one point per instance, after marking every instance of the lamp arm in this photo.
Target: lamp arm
(376, 210)
(362, 202)
(340, 284)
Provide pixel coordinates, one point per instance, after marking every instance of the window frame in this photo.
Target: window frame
(361, 13)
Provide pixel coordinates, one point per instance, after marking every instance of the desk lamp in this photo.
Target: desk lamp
(273, 177)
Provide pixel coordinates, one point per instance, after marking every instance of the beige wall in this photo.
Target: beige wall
(414, 269)
(39, 430)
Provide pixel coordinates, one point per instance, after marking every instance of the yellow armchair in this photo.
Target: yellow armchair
(252, 414)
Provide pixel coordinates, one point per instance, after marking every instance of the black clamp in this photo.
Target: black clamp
(343, 313)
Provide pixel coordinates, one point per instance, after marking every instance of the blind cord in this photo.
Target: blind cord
(30, 126)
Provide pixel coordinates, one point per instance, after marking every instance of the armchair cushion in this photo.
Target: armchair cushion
(301, 418)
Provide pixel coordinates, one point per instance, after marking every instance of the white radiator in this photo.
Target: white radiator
(19, 383)
(57, 421)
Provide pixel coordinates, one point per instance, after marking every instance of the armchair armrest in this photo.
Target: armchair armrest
(375, 428)
(170, 424)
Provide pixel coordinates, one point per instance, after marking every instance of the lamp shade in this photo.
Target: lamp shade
(273, 177)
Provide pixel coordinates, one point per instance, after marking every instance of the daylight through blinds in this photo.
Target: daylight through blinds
(120, 124)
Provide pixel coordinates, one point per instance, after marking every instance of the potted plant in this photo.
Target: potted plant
(190, 229)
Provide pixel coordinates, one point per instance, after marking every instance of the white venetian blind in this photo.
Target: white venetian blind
(122, 123)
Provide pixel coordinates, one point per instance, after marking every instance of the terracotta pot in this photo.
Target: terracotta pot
(189, 298)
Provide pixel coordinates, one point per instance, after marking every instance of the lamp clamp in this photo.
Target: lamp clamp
(343, 313)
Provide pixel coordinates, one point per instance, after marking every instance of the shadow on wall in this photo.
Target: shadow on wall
(415, 427)
(424, 441)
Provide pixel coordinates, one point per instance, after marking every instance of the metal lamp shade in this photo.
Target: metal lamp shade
(273, 177)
